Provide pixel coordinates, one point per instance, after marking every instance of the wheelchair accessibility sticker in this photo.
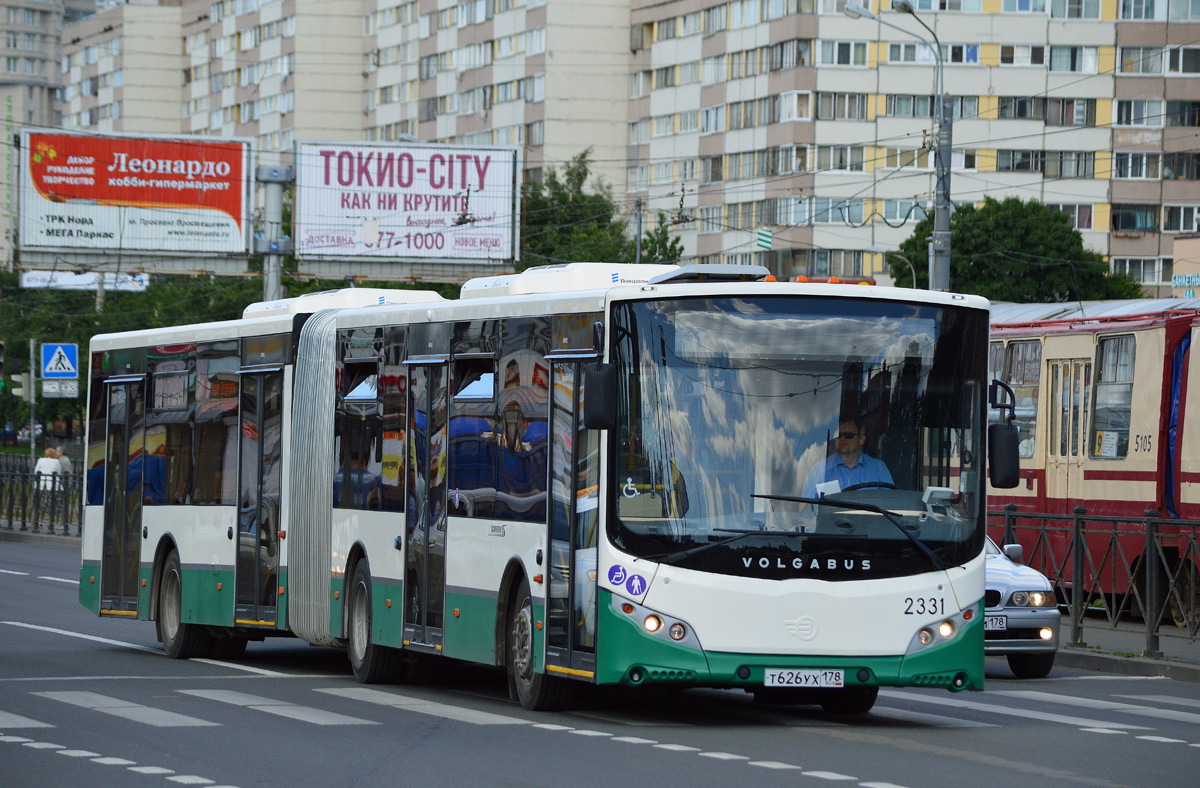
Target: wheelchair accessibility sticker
(634, 584)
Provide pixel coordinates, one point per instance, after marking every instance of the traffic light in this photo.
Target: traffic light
(22, 386)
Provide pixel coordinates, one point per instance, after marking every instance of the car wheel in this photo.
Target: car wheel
(1031, 666)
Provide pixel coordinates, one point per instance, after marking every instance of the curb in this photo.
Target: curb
(49, 540)
(1087, 659)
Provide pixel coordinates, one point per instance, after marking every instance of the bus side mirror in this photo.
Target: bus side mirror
(600, 396)
(1004, 465)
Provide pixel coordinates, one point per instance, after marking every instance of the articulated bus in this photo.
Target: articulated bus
(1106, 423)
(583, 474)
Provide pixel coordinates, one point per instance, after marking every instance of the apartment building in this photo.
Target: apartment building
(724, 118)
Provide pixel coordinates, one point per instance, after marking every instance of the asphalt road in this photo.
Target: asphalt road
(94, 702)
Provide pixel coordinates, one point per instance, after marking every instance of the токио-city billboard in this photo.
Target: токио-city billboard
(430, 202)
(125, 193)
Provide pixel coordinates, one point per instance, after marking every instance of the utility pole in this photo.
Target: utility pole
(939, 269)
(33, 378)
(273, 245)
(638, 224)
(99, 291)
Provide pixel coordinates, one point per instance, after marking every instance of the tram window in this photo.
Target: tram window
(473, 438)
(1023, 371)
(265, 350)
(1114, 398)
(358, 428)
(168, 451)
(522, 419)
(216, 431)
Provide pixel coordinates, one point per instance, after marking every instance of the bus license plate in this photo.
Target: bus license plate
(787, 677)
(995, 623)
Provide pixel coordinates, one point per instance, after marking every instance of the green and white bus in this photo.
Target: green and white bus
(585, 474)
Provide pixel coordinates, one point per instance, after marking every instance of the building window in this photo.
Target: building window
(1020, 55)
(1183, 113)
(1023, 6)
(841, 106)
(1131, 217)
(1136, 166)
(1179, 219)
(1144, 270)
(1140, 60)
(1081, 60)
(1075, 9)
(1070, 112)
(840, 157)
(1184, 60)
(1138, 9)
(1183, 10)
(1070, 164)
(1139, 112)
(1080, 216)
(844, 53)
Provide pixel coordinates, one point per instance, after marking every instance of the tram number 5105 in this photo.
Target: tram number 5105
(1143, 443)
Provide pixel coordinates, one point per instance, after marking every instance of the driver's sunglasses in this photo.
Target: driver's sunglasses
(847, 435)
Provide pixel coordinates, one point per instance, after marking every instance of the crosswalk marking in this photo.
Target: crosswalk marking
(1105, 705)
(929, 720)
(421, 706)
(278, 707)
(136, 712)
(1164, 699)
(8, 720)
(82, 636)
(1032, 714)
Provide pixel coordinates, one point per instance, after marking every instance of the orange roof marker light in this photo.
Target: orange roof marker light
(835, 280)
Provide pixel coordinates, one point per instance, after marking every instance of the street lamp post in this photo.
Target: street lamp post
(939, 246)
(885, 252)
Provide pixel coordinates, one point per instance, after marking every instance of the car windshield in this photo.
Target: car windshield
(736, 414)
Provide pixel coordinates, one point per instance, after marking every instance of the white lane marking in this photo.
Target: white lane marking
(78, 753)
(1105, 705)
(235, 666)
(191, 779)
(632, 720)
(549, 726)
(1192, 702)
(634, 740)
(8, 720)
(1163, 739)
(676, 747)
(111, 761)
(1105, 730)
(147, 715)
(41, 745)
(408, 703)
(14, 739)
(151, 770)
(880, 785)
(930, 720)
(278, 707)
(724, 756)
(11, 572)
(774, 765)
(1031, 714)
(82, 636)
(830, 776)
(590, 733)
(59, 579)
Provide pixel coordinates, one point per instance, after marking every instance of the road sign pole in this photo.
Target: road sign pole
(33, 378)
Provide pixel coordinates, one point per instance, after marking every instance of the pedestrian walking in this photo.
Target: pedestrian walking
(46, 471)
(64, 462)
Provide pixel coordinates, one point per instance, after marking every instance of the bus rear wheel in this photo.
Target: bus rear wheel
(371, 663)
(536, 691)
(181, 641)
(850, 700)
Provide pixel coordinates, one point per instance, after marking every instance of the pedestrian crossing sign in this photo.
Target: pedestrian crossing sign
(60, 361)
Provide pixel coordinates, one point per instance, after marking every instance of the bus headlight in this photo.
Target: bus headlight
(677, 631)
(925, 636)
(946, 629)
(652, 623)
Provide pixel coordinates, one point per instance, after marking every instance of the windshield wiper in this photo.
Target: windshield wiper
(827, 500)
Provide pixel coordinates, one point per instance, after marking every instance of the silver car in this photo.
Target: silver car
(1021, 615)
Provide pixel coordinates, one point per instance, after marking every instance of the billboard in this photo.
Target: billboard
(66, 280)
(124, 193)
(406, 202)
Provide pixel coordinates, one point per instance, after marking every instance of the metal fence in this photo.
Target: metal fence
(1125, 567)
(41, 503)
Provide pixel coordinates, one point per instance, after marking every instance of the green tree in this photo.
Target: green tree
(562, 221)
(659, 246)
(1014, 251)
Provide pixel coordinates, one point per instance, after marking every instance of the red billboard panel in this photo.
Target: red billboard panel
(116, 193)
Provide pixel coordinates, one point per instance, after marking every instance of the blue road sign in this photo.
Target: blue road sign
(60, 361)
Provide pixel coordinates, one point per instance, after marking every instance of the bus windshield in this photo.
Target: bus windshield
(732, 408)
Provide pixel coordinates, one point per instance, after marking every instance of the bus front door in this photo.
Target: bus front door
(257, 573)
(573, 521)
(425, 524)
(123, 480)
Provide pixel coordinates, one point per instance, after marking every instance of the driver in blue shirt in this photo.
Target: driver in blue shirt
(850, 465)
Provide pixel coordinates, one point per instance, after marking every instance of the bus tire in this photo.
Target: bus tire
(536, 691)
(180, 640)
(1031, 666)
(850, 700)
(371, 663)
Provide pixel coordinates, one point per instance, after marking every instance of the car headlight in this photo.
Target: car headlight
(1032, 599)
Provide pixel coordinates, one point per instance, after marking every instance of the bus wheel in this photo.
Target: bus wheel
(850, 700)
(536, 691)
(1031, 666)
(181, 641)
(372, 664)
